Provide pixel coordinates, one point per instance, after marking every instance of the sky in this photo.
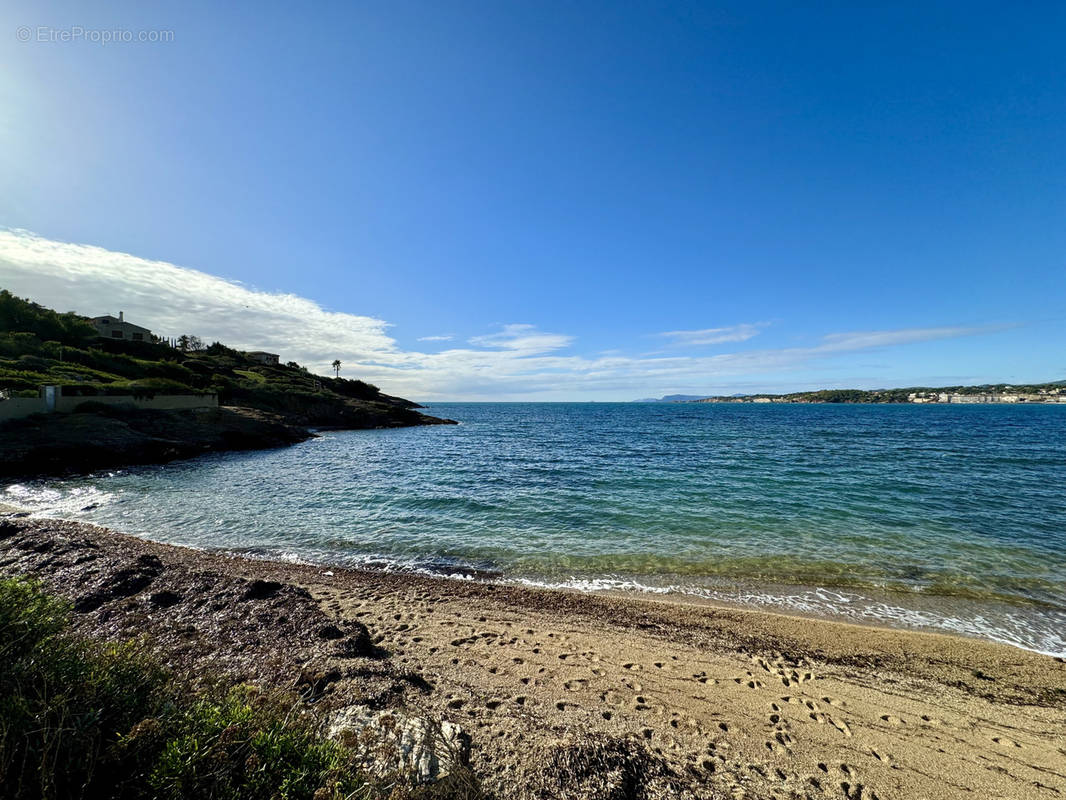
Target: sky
(547, 200)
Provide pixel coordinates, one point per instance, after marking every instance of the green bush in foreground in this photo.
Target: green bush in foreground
(80, 719)
(251, 745)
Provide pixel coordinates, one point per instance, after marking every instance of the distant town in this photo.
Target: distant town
(997, 393)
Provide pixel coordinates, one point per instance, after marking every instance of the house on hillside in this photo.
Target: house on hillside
(270, 359)
(108, 327)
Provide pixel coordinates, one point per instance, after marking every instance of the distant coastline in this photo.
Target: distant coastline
(1054, 392)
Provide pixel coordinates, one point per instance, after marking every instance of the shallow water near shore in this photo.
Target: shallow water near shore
(942, 517)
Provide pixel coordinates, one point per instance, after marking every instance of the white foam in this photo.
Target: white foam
(999, 624)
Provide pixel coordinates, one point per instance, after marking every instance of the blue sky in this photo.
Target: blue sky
(589, 200)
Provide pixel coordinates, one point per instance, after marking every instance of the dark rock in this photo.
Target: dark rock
(164, 599)
(123, 583)
(330, 632)
(262, 590)
(358, 645)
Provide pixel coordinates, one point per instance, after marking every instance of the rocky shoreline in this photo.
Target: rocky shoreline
(577, 696)
(79, 443)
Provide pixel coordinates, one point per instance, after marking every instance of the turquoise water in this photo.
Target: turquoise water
(943, 517)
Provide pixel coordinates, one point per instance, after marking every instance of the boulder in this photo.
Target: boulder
(394, 742)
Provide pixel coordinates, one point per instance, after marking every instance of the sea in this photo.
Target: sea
(947, 518)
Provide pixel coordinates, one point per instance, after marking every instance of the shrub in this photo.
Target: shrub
(63, 702)
(29, 362)
(20, 315)
(81, 719)
(251, 745)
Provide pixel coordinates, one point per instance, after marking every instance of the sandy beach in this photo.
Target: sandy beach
(709, 702)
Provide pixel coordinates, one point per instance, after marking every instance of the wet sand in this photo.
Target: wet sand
(729, 703)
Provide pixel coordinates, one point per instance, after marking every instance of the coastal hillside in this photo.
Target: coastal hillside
(261, 401)
(1054, 392)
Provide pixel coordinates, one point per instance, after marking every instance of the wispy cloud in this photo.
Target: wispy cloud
(442, 338)
(514, 361)
(524, 339)
(868, 340)
(706, 336)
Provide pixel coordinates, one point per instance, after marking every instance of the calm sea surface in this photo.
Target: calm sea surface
(941, 517)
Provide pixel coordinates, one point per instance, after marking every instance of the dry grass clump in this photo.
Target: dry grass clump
(603, 767)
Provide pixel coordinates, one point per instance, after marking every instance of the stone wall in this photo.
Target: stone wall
(17, 407)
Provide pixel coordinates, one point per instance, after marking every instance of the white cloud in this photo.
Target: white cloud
(734, 333)
(515, 362)
(524, 339)
(443, 338)
(867, 340)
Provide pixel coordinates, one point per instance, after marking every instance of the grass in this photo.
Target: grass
(83, 719)
(254, 377)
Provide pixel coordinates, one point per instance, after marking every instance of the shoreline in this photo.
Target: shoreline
(752, 703)
(762, 597)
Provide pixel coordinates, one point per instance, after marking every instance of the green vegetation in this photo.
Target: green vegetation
(892, 395)
(39, 346)
(83, 719)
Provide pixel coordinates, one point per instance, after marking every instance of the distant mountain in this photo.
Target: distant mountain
(672, 398)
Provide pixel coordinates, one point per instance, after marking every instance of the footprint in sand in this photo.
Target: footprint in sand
(612, 698)
(1003, 741)
(632, 667)
(884, 758)
(754, 683)
(931, 720)
(576, 685)
(841, 726)
(834, 702)
(891, 720)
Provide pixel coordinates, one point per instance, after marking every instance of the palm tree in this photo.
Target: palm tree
(337, 366)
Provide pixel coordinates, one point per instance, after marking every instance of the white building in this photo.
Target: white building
(108, 327)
